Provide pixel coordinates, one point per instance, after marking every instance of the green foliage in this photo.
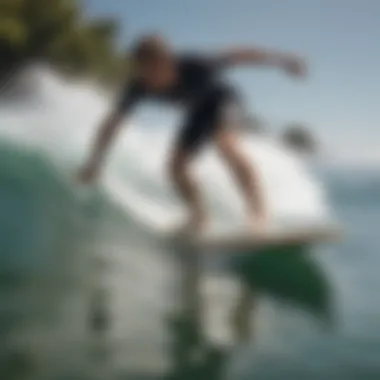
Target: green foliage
(300, 138)
(289, 274)
(56, 31)
(12, 32)
(256, 125)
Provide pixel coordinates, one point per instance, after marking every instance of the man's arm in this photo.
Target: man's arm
(106, 133)
(258, 56)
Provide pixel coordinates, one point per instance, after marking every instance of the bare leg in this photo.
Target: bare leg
(187, 189)
(244, 173)
(247, 178)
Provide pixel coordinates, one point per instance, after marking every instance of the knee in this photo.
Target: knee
(178, 168)
(230, 151)
(227, 145)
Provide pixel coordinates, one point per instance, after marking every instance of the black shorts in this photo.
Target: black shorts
(216, 110)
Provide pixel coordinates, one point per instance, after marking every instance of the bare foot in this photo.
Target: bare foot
(257, 224)
(195, 225)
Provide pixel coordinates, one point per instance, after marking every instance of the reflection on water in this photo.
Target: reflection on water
(191, 355)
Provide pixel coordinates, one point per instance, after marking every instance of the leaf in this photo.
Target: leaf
(289, 274)
(298, 137)
(57, 31)
(12, 31)
(104, 28)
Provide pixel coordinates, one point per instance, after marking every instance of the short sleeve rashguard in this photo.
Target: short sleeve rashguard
(197, 74)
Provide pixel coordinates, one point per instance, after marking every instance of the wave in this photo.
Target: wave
(57, 127)
(50, 226)
(35, 203)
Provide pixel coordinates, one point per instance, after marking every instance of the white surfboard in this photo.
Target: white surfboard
(240, 241)
(216, 244)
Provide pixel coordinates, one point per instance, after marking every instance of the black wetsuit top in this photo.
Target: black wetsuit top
(200, 88)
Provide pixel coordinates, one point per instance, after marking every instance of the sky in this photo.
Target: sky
(338, 38)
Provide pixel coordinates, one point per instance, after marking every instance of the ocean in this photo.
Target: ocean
(85, 285)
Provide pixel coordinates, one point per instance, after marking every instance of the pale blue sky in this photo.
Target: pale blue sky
(340, 39)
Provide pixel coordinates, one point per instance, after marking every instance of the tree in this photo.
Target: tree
(300, 138)
(256, 125)
(57, 32)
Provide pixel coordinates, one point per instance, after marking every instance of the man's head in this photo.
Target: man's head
(153, 61)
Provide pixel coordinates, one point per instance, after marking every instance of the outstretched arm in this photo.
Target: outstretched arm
(107, 131)
(258, 56)
(103, 139)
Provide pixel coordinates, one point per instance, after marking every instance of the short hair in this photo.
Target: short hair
(149, 47)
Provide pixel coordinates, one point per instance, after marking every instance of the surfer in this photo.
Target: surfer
(211, 115)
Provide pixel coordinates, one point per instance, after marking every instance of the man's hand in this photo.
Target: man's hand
(88, 174)
(295, 66)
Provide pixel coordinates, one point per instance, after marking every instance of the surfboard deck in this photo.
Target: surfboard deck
(239, 241)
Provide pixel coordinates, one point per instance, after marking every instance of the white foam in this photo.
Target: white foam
(65, 123)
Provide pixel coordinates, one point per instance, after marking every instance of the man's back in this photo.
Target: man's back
(196, 76)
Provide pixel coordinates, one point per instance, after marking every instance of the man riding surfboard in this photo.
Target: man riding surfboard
(195, 82)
